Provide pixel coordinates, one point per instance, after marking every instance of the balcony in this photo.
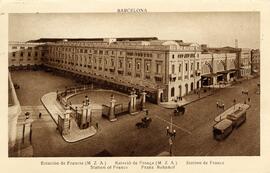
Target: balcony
(112, 69)
(158, 77)
(147, 76)
(129, 73)
(120, 71)
(138, 75)
(198, 72)
(172, 77)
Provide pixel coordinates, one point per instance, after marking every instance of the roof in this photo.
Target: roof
(223, 124)
(237, 113)
(92, 39)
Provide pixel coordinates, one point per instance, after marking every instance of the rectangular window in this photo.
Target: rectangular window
(138, 66)
(180, 67)
(29, 54)
(120, 64)
(148, 67)
(22, 47)
(198, 65)
(186, 67)
(21, 54)
(13, 54)
(172, 68)
(191, 66)
(158, 68)
(14, 47)
(36, 54)
(112, 62)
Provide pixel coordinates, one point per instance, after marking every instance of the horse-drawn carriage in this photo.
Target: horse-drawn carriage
(144, 123)
(16, 86)
(180, 110)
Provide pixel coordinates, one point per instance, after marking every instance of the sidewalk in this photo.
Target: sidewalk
(55, 109)
(188, 99)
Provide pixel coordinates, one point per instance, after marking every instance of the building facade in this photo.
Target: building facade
(25, 55)
(219, 67)
(165, 69)
(255, 61)
(245, 62)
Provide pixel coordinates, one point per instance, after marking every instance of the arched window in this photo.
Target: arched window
(186, 86)
(172, 92)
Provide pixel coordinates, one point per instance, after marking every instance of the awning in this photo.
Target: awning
(211, 75)
(227, 71)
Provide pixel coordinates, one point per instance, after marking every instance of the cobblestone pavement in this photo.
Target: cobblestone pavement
(122, 138)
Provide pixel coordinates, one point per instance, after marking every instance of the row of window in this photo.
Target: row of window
(186, 67)
(21, 59)
(29, 54)
(112, 64)
(192, 55)
(106, 52)
(23, 47)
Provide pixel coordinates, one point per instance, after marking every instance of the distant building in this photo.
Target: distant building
(219, 65)
(25, 55)
(255, 61)
(245, 62)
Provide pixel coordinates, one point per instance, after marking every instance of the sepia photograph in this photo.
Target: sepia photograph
(134, 84)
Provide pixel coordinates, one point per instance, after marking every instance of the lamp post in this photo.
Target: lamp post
(234, 102)
(171, 133)
(221, 106)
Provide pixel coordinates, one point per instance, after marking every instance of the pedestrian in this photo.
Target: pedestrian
(97, 126)
(39, 115)
(27, 115)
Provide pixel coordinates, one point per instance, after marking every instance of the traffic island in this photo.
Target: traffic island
(65, 121)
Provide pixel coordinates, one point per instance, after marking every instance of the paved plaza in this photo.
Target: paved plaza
(122, 138)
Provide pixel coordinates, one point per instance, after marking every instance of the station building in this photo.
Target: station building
(165, 69)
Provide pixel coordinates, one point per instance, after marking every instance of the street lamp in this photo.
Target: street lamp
(234, 102)
(220, 106)
(171, 133)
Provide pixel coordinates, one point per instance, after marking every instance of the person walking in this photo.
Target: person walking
(39, 115)
(97, 126)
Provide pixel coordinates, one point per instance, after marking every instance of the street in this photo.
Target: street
(122, 138)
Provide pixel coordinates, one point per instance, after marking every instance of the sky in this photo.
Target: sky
(213, 28)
